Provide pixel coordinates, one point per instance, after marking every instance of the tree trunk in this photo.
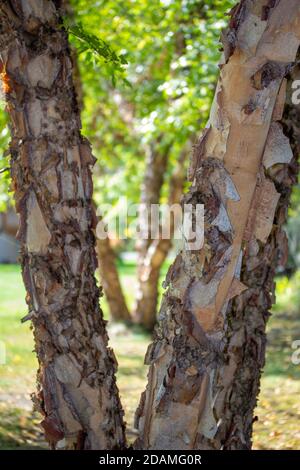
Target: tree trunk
(50, 165)
(251, 310)
(155, 255)
(206, 360)
(110, 281)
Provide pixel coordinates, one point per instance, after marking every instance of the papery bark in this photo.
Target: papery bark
(206, 359)
(251, 310)
(51, 177)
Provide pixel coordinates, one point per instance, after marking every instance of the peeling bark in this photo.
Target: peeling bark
(51, 176)
(207, 356)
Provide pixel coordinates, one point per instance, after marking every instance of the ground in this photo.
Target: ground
(278, 409)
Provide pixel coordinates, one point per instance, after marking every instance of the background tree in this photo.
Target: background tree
(148, 124)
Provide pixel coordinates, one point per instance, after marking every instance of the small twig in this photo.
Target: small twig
(3, 170)
(27, 317)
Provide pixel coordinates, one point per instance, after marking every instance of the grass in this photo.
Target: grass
(278, 408)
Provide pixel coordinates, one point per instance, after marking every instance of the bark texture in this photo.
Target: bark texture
(51, 173)
(206, 359)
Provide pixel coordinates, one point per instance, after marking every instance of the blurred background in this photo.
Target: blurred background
(145, 74)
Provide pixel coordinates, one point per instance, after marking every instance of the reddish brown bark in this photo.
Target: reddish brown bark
(50, 166)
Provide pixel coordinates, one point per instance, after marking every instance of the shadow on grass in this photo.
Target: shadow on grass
(19, 429)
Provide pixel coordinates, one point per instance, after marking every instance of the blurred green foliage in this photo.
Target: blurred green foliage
(167, 51)
(171, 47)
(172, 52)
(288, 293)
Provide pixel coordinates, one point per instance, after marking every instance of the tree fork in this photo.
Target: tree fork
(209, 348)
(51, 177)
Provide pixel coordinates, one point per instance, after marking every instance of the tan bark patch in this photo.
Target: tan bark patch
(278, 149)
(42, 71)
(267, 203)
(37, 235)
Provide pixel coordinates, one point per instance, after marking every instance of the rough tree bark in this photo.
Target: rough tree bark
(259, 266)
(153, 252)
(50, 167)
(206, 359)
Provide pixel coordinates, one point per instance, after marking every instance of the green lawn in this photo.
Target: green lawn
(279, 405)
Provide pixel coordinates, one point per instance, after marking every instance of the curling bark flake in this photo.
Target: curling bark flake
(206, 359)
(51, 177)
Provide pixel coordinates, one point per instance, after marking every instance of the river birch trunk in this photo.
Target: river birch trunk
(206, 359)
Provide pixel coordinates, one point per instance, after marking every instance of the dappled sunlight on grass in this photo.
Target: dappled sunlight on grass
(279, 414)
(19, 428)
